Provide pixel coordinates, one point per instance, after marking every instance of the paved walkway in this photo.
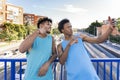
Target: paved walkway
(6, 46)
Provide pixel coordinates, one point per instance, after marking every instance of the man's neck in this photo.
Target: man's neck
(68, 37)
(43, 35)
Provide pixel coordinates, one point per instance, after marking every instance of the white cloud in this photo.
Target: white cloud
(76, 14)
(38, 7)
(72, 9)
(66, 8)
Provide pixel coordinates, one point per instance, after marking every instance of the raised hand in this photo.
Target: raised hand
(111, 22)
(73, 40)
(83, 36)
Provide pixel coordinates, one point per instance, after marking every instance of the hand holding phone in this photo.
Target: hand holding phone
(112, 21)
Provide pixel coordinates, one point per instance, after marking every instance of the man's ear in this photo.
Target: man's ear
(62, 30)
(41, 25)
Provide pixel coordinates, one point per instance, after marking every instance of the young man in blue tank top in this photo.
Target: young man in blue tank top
(41, 52)
(73, 54)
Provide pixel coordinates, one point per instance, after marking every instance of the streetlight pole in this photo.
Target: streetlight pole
(94, 31)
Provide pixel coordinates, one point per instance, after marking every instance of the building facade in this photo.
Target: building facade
(10, 13)
(14, 14)
(28, 18)
(37, 17)
(31, 19)
(2, 11)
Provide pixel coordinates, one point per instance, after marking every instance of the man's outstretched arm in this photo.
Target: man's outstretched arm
(103, 37)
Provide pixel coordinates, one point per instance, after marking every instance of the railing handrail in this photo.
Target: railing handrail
(92, 59)
(11, 59)
(96, 60)
(105, 59)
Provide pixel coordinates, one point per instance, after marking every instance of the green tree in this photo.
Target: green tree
(118, 23)
(29, 28)
(2, 35)
(115, 39)
(55, 31)
(92, 27)
(13, 32)
(10, 34)
(21, 31)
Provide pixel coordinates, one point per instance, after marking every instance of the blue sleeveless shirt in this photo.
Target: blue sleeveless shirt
(40, 53)
(78, 64)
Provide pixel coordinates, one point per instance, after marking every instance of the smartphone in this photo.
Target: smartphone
(114, 22)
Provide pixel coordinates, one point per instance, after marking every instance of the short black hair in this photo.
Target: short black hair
(42, 20)
(61, 24)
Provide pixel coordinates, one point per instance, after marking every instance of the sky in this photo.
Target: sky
(80, 12)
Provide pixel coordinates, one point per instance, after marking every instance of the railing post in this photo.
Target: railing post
(118, 70)
(54, 70)
(61, 75)
(12, 70)
(97, 68)
(111, 71)
(5, 70)
(20, 70)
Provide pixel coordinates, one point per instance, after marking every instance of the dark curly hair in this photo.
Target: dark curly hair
(61, 24)
(42, 20)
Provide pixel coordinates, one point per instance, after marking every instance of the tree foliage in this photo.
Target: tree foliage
(118, 24)
(93, 27)
(115, 39)
(14, 31)
(55, 31)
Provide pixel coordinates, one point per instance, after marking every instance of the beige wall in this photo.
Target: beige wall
(14, 14)
(10, 13)
(2, 11)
